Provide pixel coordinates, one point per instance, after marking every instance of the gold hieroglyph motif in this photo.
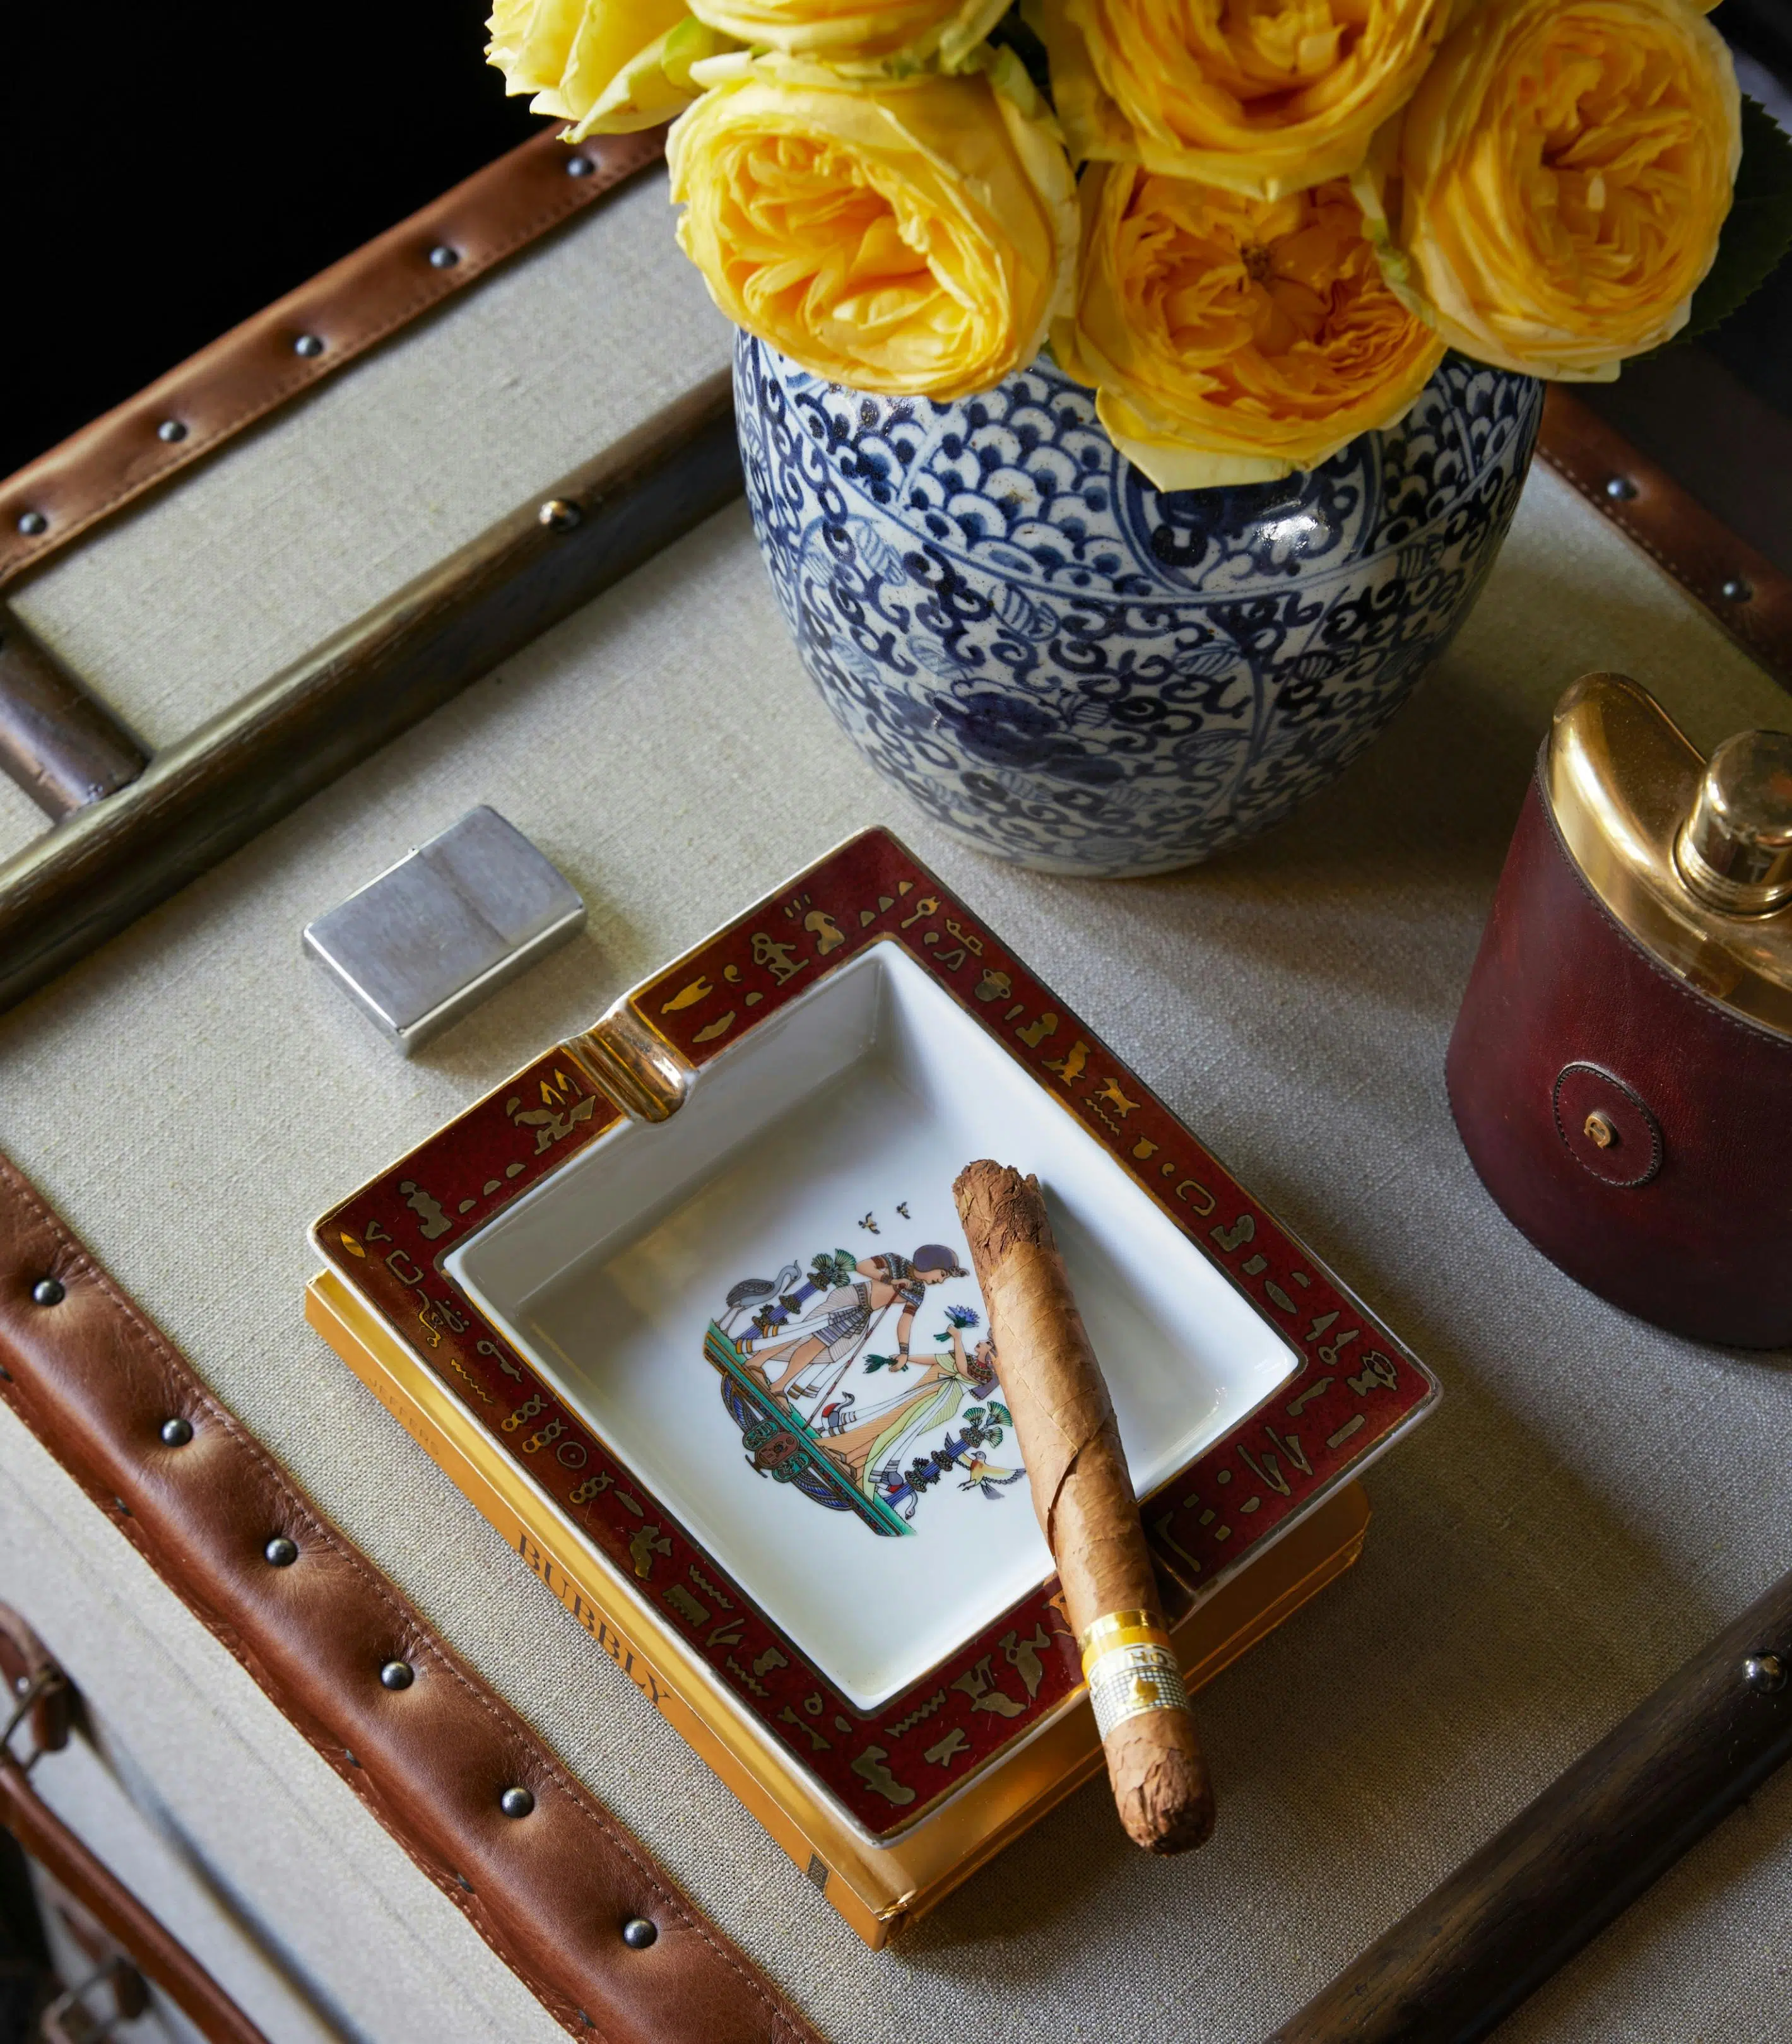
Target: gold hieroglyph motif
(686, 1605)
(828, 934)
(1378, 1370)
(1022, 1655)
(872, 1769)
(980, 1686)
(550, 1127)
(780, 960)
(1069, 1068)
(817, 1742)
(905, 1725)
(432, 1221)
(699, 989)
(1243, 1231)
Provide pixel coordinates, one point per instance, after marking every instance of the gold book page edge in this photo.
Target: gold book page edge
(875, 1889)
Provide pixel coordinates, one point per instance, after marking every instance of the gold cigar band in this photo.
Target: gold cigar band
(1130, 1668)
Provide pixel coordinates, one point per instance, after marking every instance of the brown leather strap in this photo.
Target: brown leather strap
(1743, 589)
(292, 343)
(550, 1890)
(164, 1958)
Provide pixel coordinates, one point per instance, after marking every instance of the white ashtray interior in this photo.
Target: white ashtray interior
(724, 1296)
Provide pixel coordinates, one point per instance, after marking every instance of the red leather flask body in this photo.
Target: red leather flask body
(1637, 1129)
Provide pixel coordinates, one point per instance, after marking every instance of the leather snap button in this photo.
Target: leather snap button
(176, 1433)
(281, 1552)
(516, 1802)
(48, 1292)
(638, 1933)
(1605, 1126)
(397, 1675)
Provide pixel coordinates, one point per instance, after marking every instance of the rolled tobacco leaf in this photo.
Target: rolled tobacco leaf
(1083, 1493)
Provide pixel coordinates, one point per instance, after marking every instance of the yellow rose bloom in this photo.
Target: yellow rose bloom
(914, 239)
(1553, 195)
(1262, 96)
(845, 31)
(610, 66)
(1234, 339)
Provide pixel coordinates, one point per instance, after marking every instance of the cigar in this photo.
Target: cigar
(1064, 1424)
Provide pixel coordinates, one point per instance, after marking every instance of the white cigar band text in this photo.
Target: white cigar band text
(1126, 1681)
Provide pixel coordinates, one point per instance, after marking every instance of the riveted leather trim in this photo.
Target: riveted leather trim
(1672, 528)
(348, 308)
(549, 1891)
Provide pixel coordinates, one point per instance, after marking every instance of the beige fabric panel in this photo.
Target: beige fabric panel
(22, 821)
(171, 612)
(1591, 1501)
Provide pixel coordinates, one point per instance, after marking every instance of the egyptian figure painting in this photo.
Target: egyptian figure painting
(828, 1374)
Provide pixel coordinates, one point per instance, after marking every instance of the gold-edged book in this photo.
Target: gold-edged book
(876, 1887)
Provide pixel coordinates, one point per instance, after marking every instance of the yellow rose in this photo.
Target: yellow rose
(843, 32)
(914, 239)
(1553, 196)
(1261, 97)
(1234, 339)
(610, 66)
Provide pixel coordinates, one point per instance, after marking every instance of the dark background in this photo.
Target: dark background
(224, 165)
(171, 169)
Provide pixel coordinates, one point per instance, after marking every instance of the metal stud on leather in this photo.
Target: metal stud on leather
(310, 333)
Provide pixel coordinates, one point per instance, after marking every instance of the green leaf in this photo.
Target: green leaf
(1759, 231)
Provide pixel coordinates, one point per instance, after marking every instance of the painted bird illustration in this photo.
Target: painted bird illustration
(836, 1415)
(871, 1225)
(986, 1477)
(751, 1291)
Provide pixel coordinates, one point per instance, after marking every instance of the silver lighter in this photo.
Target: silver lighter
(450, 924)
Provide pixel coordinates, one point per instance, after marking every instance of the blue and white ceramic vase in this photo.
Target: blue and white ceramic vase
(1076, 671)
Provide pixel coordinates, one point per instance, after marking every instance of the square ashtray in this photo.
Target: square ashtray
(689, 1298)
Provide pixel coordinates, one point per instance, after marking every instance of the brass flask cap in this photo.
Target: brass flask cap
(1734, 849)
(1693, 856)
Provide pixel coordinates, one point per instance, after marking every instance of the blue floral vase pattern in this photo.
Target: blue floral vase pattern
(1078, 672)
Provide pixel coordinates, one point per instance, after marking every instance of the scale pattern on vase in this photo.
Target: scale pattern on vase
(1084, 674)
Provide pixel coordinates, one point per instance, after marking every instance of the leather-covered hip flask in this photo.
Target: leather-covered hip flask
(1620, 1072)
